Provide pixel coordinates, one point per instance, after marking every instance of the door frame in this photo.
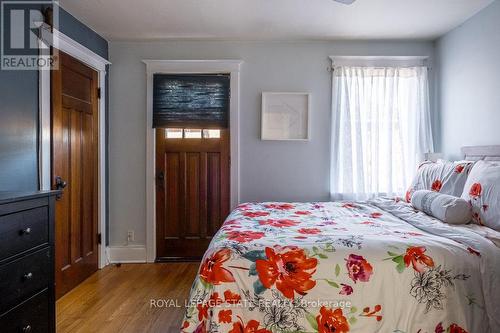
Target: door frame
(99, 64)
(231, 67)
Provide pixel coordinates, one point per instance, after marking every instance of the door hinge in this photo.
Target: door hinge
(99, 238)
(99, 93)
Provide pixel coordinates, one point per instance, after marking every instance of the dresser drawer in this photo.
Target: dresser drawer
(23, 277)
(23, 230)
(32, 316)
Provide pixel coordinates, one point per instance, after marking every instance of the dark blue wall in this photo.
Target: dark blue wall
(19, 112)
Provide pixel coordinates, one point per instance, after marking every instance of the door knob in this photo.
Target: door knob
(160, 178)
(60, 185)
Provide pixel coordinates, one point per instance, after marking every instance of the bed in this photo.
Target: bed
(376, 266)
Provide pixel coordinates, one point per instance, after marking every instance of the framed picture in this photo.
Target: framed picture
(285, 116)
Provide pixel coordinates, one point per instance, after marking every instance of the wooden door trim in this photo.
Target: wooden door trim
(99, 64)
(231, 67)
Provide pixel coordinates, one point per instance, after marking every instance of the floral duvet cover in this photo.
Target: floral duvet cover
(341, 267)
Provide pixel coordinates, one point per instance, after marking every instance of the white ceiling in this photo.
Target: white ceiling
(272, 19)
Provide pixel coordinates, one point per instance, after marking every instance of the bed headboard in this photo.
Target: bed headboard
(487, 153)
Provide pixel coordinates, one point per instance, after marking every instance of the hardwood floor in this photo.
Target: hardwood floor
(117, 299)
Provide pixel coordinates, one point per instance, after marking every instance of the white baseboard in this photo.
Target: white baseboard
(127, 254)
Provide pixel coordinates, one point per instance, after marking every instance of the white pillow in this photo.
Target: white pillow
(442, 176)
(445, 207)
(482, 190)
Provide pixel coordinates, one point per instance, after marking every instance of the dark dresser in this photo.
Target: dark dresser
(27, 301)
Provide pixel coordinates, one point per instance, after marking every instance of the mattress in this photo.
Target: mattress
(377, 266)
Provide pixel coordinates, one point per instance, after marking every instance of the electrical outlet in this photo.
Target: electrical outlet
(130, 236)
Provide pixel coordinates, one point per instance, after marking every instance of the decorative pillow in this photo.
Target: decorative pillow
(442, 176)
(482, 190)
(445, 207)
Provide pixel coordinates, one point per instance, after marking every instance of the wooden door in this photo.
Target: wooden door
(192, 192)
(74, 167)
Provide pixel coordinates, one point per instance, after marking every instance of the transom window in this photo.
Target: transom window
(190, 133)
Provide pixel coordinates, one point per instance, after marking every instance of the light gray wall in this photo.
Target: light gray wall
(286, 171)
(469, 82)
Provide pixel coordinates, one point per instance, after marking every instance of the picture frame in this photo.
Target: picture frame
(285, 116)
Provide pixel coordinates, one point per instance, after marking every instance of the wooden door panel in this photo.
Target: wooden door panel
(173, 183)
(214, 207)
(75, 158)
(61, 141)
(192, 195)
(189, 202)
(74, 183)
(88, 190)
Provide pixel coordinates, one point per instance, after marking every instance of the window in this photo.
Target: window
(173, 133)
(211, 133)
(192, 133)
(380, 121)
(188, 133)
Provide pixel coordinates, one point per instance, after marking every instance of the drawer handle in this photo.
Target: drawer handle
(26, 231)
(26, 329)
(28, 276)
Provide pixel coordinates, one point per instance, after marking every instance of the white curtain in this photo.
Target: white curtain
(380, 122)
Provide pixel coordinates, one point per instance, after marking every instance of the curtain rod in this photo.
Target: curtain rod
(332, 68)
(379, 61)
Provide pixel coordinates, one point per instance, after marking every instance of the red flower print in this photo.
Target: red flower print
(346, 289)
(375, 215)
(439, 328)
(282, 223)
(477, 218)
(349, 205)
(231, 222)
(331, 321)
(454, 328)
(415, 255)
(291, 271)
(359, 269)
(255, 214)
(303, 212)
(202, 311)
(251, 327)
(284, 206)
(367, 312)
(212, 271)
(185, 325)
(474, 252)
(202, 328)
(244, 206)
(231, 298)
(368, 223)
(436, 186)
(459, 168)
(225, 316)
(475, 190)
(309, 231)
(244, 236)
(214, 300)
(408, 195)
